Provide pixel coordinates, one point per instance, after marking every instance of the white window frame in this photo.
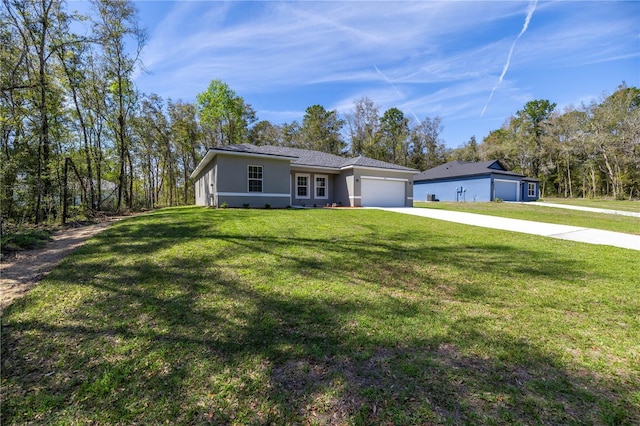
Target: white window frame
(308, 186)
(316, 187)
(249, 178)
(531, 189)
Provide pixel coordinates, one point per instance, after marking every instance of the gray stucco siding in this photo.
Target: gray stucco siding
(343, 188)
(235, 169)
(261, 201)
(205, 185)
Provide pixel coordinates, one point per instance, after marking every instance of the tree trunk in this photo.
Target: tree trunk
(65, 191)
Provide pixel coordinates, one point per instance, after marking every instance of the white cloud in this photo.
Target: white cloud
(302, 43)
(435, 58)
(530, 10)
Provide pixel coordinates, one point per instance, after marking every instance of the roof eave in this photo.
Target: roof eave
(351, 166)
(254, 154)
(488, 172)
(295, 166)
(203, 163)
(212, 152)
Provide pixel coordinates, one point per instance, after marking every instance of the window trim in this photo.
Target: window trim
(531, 189)
(316, 187)
(249, 178)
(308, 185)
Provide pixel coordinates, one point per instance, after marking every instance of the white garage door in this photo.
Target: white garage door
(506, 190)
(382, 193)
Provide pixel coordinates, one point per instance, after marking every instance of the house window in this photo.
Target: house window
(255, 178)
(531, 190)
(302, 186)
(321, 186)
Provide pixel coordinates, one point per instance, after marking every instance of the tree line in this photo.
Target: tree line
(77, 138)
(588, 151)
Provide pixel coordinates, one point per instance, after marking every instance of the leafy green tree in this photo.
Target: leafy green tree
(265, 133)
(469, 151)
(393, 136)
(427, 150)
(530, 128)
(363, 123)
(291, 135)
(614, 136)
(224, 116)
(565, 145)
(154, 151)
(321, 130)
(94, 99)
(38, 27)
(186, 135)
(12, 112)
(72, 58)
(500, 145)
(115, 23)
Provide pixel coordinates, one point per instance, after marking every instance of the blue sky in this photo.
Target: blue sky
(473, 63)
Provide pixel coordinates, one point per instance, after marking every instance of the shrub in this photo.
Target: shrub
(245, 205)
(267, 206)
(224, 205)
(24, 239)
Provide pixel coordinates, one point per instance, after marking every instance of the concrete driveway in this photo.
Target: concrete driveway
(563, 232)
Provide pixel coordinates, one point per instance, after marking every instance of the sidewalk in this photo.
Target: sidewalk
(563, 232)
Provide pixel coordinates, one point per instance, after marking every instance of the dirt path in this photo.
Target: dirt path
(20, 273)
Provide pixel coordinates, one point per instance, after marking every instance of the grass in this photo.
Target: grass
(601, 203)
(607, 222)
(239, 316)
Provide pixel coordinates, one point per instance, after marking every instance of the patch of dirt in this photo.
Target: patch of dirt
(21, 271)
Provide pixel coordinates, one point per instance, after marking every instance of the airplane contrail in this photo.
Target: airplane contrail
(530, 10)
(396, 89)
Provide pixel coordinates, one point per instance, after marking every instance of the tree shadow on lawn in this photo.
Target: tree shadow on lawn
(195, 340)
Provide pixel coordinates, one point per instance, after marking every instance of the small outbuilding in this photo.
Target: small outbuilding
(470, 181)
(257, 176)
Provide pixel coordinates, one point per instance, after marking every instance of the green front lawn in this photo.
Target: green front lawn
(193, 315)
(524, 211)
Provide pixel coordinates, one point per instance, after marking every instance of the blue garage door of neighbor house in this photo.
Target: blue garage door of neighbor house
(506, 190)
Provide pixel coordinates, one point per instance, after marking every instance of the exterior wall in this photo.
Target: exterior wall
(312, 200)
(232, 187)
(477, 189)
(525, 191)
(206, 185)
(344, 188)
(355, 196)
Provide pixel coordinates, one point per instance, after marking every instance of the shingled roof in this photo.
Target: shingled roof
(310, 158)
(456, 169)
